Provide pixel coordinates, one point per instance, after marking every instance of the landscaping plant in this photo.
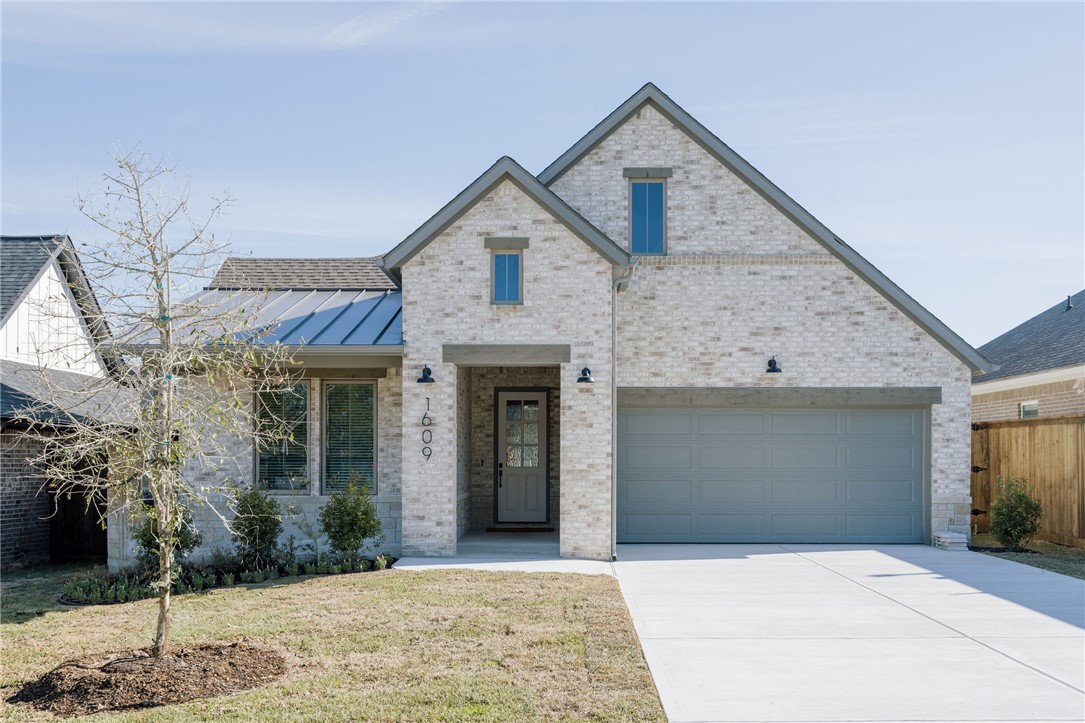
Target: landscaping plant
(1015, 515)
(349, 519)
(187, 539)
(255, 529)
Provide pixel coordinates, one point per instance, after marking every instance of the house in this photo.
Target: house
(646, 342)
(1041, 367)
(50, 336)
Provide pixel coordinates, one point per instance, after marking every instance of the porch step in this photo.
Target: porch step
(950, 541)
(519, 529)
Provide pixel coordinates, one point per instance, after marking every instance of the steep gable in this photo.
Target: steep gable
(754, 183)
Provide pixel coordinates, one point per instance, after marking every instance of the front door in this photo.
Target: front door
(521, 457)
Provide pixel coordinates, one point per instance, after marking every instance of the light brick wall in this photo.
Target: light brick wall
(237, 463)
(1056, 400)
(741, 283)
(484, 380)
(446, 300)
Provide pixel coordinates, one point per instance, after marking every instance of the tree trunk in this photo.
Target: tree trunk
(165, 580)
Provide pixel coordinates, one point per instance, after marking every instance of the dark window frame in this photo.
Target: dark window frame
(325, 488)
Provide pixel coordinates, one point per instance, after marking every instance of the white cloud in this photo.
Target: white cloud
(377, 22)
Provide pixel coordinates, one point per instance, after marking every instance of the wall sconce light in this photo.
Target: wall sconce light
(585, 377)
(773, 367)
(426, 378)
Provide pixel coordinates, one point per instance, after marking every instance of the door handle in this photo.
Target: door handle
(500, 473)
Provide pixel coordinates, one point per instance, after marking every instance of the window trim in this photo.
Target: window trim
(1021, 408)
(324, 426)
(494, 253)
(309, 487)
(663, 182)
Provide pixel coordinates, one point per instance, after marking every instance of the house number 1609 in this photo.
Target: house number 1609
(427, 434)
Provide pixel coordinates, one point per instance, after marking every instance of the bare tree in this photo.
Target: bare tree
(160, 427)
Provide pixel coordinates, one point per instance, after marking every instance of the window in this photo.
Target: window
(350, 439)
(507, 278)
(282, 459)
(647, 211)
(1030, 410)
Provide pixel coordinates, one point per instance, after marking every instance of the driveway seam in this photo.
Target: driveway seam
(935, 620)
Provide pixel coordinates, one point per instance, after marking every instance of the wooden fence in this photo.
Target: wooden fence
(1050, 452)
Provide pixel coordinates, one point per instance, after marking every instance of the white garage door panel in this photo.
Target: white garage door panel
(726, 475)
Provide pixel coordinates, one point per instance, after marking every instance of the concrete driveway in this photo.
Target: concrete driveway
(836, 633)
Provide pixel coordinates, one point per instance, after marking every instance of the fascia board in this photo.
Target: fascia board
(1049, 376)
(504, 169)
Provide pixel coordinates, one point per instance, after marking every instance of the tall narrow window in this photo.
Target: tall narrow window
(507, 278)
(350, 449)
(282, 459)
(647, 211)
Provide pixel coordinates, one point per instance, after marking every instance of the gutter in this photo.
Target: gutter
(618, 283)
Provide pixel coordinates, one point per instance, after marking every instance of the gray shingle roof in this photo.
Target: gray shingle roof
(1054, 339)
(21, 260)
(55, 396)
(312, 274)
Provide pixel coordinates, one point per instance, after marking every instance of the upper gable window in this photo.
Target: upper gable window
(647, 217)
(506, 269)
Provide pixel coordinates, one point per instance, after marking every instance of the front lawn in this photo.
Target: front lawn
(1046, 555)
(394, 645)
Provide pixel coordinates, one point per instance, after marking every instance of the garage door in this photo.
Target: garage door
(730, 475)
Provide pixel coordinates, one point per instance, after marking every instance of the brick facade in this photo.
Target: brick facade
(24, 508)
(1056, 399)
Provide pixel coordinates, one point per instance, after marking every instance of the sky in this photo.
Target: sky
(945, 142)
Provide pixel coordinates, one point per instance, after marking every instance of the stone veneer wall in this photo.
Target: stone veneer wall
(24, 524)
(484, 380)
(446, 300)
(1056, 399)
(238, 463)
(741, 283)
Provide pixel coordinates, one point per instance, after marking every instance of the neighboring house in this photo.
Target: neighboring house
(646, 342)
(49, 320)
(1041, 367)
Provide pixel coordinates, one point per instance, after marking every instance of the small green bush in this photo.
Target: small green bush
(1015, 515)
(292, 570)
(145, 534)
(349, 519)
(255, 529)
(228, 579)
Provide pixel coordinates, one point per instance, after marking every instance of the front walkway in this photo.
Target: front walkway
(838, 633)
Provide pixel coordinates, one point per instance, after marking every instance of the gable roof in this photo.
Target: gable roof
(24, 259)
(1053, 339)
(504, 169)
(312, 274)
(651, 95)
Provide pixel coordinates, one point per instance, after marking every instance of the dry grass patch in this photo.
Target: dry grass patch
(397, 645)
(1045, 555)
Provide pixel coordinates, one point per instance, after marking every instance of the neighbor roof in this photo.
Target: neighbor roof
(651, 95)
(22, 259)
(324, 274)
(505, 169)
(1053, 339)
(54, 396)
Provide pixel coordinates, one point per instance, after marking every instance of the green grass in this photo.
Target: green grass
(1045, 555)
(395, 645)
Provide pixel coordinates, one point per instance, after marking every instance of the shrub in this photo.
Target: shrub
(256, 528)
(145, 534)
(1015, 515)
(228, 579)
(350, 518)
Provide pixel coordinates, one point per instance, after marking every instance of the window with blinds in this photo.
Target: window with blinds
(350, 437)
(282, 458)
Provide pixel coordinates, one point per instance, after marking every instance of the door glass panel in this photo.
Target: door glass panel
(512, 411)
(531, 456)
(531, 411)
(512, 455)
(531, 434)
(512, 433)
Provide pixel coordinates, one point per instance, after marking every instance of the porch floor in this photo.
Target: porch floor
(529, 545)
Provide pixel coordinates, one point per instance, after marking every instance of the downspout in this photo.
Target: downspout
(628, 278)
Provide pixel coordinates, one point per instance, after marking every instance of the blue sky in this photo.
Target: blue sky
(944, 142)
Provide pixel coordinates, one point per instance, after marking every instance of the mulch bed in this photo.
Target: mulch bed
(1003, 549)
(114, 682)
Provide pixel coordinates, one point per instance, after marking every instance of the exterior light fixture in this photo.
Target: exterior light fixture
(585, 377)
(426, 378)
(773, 367)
